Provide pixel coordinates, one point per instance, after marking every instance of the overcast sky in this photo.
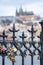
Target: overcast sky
(8, 7)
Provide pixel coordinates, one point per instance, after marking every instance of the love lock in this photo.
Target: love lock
(1, 46)
(12, 58)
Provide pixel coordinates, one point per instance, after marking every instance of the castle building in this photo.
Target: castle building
(27, 16)
(24, 15)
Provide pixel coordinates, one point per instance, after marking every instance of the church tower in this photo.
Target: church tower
(20, 11)
(17, 13)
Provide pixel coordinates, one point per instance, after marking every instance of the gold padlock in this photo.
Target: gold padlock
(1, 46)
(12, 58)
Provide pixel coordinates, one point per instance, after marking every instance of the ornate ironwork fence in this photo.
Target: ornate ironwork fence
(37, 46)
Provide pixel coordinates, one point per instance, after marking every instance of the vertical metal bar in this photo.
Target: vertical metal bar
(3, 60)
(41, 59)
(22, 60)
(41, 39)
(31, 59)
(12, 63)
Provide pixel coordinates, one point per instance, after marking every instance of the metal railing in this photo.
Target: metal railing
(19, 45)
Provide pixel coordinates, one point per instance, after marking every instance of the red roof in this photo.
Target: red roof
(25, 16)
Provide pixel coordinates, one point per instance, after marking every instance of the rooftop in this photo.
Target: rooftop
(21, 12)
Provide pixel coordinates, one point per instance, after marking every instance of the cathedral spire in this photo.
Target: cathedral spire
(17, 13)
(20, 10)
